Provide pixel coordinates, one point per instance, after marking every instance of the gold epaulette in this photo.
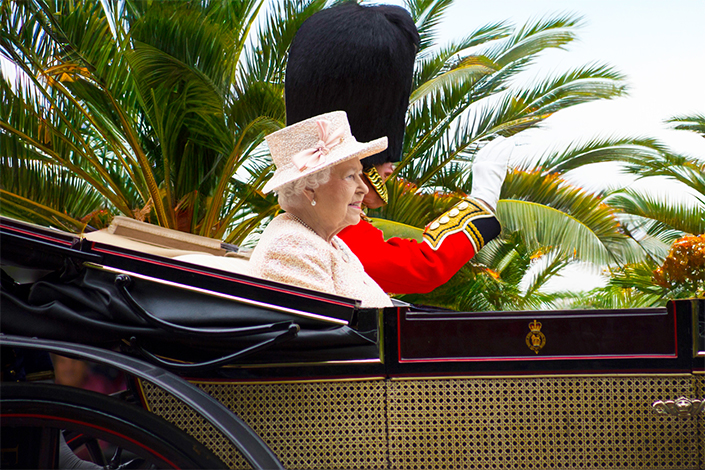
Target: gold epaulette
(459, 219)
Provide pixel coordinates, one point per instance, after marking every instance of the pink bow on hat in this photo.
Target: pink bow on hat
(315, 156)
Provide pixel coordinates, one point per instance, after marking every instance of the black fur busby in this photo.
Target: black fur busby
(358, 59)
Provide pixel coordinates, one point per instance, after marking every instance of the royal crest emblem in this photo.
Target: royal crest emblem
(535, 340)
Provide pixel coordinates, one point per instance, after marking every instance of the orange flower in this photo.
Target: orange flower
(685, 262)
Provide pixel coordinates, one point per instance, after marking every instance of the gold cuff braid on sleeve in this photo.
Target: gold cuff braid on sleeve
(459, 219)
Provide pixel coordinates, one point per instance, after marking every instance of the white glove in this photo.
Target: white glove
(489, 169)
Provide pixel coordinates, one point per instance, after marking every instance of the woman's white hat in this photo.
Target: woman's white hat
(314, 144)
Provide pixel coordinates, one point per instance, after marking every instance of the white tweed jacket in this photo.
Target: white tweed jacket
(291, 253)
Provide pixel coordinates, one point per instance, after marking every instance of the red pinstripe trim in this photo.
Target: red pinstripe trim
(43, 237)
(83, 423)
(542, 358)
(239, 281)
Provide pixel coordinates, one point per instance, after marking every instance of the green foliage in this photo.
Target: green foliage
(397, 229)
(505, 275)
(158, 109)
(630, 286)
(408, 206)
(694, 123)
(659, 215)
(151, 104)
(684, 267)
(461, 99)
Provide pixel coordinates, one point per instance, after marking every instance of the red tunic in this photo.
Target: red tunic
(404, 266)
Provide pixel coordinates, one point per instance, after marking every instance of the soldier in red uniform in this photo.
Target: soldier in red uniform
(361, 59)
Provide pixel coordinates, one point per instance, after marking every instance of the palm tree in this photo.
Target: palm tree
(115, 94)
(157, 110)
(624, 232)
(549, 224)
(464, 95)
(663, 226)
(151, 108)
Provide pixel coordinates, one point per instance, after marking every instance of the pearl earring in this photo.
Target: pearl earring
(313, 202)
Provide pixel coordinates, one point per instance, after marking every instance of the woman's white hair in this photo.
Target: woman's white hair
(290, 193)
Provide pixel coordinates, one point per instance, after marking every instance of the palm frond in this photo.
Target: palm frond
(408, 206)
(47, 194)
(391, 229)
(248, 138)
(238, 18)
(536, 36)
(684, 169)
(545, 226)
(15, 206)
(475, 288)
(493, 280)
(693, 123)
(184, 108)
(597, 150)
(544, 268)
(265, 60)
(468, 70)
(613, 297)
(666, 214)
(458, 105)
(437, 61)
(427, 14)
(633, 286)
(191, 34)
(586, 209)
(52, 135)
(581, 85)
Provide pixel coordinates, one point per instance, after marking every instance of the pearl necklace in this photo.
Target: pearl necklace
(301, 222)
(343, 254)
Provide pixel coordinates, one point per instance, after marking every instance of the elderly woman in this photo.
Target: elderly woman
(319, 183)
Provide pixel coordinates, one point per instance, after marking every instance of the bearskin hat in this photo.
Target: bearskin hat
(359, 59)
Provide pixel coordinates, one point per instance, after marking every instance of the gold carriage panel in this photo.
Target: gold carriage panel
(543, 423)
(314, 425)
(482, 423)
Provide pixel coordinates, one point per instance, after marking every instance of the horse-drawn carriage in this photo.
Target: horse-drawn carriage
(230, 370)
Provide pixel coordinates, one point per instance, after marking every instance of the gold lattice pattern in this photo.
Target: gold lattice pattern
(328, 425)
(331, 425)
(503, 423)
(183, 417)
(541, 423)
(700, 393)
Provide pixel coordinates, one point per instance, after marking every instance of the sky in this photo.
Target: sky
(657, 44)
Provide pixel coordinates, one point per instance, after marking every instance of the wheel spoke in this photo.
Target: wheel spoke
(115, 461)
(48, 448)
(142, 439)
(96, 453)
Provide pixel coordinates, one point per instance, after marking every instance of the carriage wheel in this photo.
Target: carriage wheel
(32, 415)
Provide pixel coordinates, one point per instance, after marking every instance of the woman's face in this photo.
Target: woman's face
(339, 201)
